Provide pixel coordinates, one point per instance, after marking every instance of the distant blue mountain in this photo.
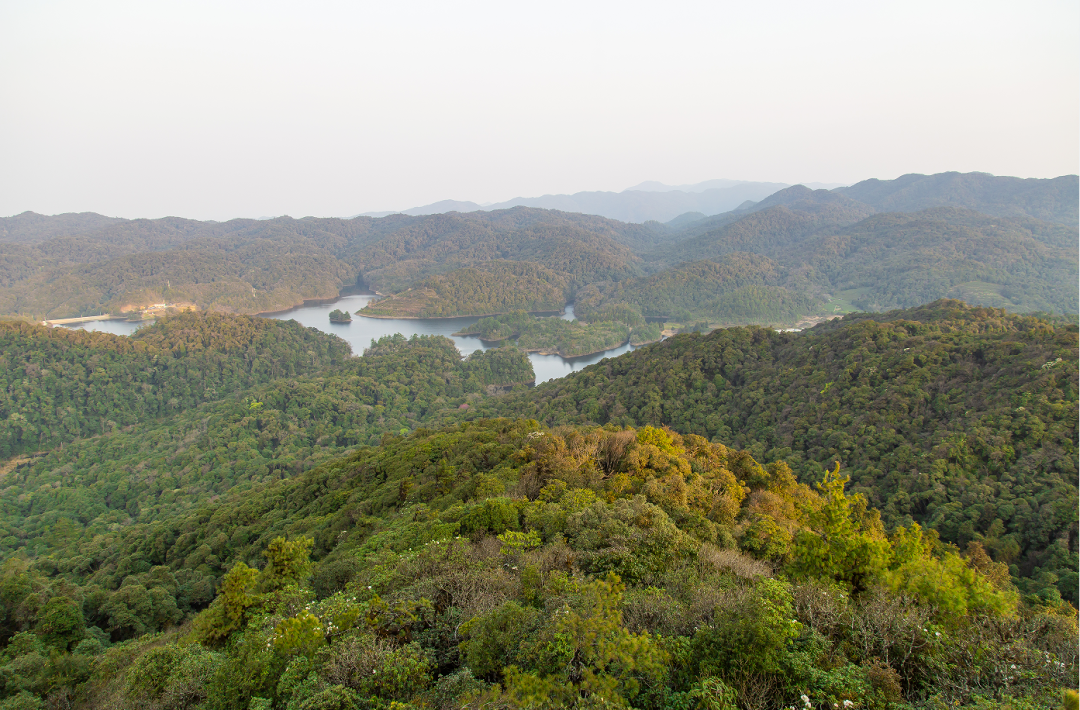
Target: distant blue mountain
(642, 203)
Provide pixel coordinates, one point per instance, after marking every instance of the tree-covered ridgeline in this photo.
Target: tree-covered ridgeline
(504, 564)
(58, 384)
(962, 419)
(85, 266)
(992, 241)
(1052, 200)
(493, 287)
(741, 289)
(555, 335)
(890, 260)
(249, 277)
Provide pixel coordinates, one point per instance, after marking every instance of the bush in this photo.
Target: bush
(171, 676)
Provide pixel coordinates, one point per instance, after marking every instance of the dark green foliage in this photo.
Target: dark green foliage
(69, 495)
(553, 335)
(743, 288)
(339, 316)
(57, 384)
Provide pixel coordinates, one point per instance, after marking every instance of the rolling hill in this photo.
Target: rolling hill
(1051, 200)
(875, 245)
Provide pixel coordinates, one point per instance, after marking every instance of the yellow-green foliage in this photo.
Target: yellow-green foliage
(616, 569)
(286, 562)
(594, 653)
(945, 580)
(229, 609)
(303, 634)
(845, 541)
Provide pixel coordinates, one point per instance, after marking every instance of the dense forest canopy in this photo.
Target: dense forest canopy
(881, 510)
(961, 419)
(896, 260)
(263, 265)
(57, 385)
(491, 287)
(504, 564)
(739, 289)
(156, 467)
(228, 512)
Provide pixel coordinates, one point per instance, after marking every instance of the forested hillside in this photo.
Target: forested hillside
(262, 265)
(1052, 200)
(57, 385)
(898, 260)
(555, 335)
(318, 531)
(769, 231)
(157, 468)
(491, 287)
(993, 241)
(962, 419)
(502, 564)
(30, 227)
(903, 260)
(258, 277)
(740, 289)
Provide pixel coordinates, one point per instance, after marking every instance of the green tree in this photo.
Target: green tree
(287, 562)
(845, 542)
(61, 623)
(599, 656)
(228, 612)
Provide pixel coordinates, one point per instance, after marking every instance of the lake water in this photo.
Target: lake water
(362, 331)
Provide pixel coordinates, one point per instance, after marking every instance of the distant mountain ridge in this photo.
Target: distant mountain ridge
(1051, 200)
(827, 243)
(654, 186)
(31, 227)
(655, 202)
(254, 266)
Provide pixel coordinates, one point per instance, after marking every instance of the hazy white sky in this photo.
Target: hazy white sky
(215, 110)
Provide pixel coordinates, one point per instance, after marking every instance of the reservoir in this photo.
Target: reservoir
(361, 331)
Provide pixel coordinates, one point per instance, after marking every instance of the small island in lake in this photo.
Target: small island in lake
(551, 336)
(339, 316)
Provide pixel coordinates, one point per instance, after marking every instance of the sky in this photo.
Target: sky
(215, 110)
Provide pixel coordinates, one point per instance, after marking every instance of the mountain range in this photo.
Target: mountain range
(650, 201)
(995, 241)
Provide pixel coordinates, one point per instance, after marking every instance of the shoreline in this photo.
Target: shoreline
(549, 352)
(318, 301)
(554, 351)
(539, 314)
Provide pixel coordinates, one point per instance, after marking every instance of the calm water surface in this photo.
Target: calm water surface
(362, 331)
(116, 327)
